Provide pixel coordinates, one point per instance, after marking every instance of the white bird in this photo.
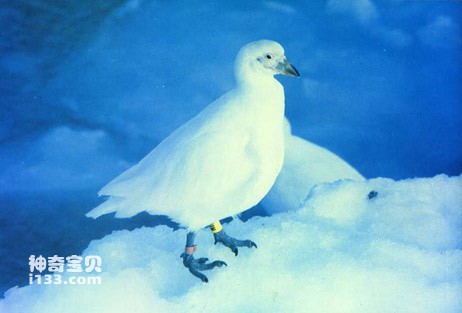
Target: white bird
(218, 164)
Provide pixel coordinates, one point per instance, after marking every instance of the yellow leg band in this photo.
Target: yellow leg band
(216, 227)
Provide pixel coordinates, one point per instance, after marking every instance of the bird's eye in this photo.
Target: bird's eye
(269, 57)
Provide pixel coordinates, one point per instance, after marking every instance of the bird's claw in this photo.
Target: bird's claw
(195, 266)
(232, 243)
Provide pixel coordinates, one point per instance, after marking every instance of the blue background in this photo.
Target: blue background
(89, 87)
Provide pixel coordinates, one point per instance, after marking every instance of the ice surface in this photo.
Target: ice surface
(340, 252)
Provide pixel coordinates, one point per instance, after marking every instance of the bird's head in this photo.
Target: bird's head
(263, 58)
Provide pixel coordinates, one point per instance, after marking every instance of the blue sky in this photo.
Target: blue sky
(85, 99)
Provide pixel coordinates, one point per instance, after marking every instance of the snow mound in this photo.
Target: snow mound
(305, 165)
(340, 252)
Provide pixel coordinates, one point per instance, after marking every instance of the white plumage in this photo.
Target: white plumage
(221, 162)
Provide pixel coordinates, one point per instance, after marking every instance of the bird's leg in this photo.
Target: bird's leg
(230, 242)
(197, 265)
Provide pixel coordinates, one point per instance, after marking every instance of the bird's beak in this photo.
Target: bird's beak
(285, 68)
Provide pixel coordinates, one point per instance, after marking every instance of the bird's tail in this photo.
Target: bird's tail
(112, 204)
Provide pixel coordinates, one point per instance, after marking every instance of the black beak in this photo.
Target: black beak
(285, 68)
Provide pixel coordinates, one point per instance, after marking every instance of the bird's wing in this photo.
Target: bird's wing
(207, 137)
(187, 171)
(210, 169)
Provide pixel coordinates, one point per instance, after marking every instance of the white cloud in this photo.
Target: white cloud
(365, 12)
(394, 36)
(281, 7)
(362, 10)
(61, 158)
(442, 31)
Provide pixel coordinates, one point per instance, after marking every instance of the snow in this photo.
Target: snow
(221, 162)
(340, 252)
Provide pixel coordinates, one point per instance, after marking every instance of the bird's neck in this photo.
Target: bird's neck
(266, 98)
(258, 83)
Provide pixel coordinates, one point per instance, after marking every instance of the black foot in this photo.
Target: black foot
(197, 265)
(232, 243)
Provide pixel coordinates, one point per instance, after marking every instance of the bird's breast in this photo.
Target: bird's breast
(266, 144)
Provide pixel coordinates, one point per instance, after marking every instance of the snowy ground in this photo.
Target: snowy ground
(341, 252)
